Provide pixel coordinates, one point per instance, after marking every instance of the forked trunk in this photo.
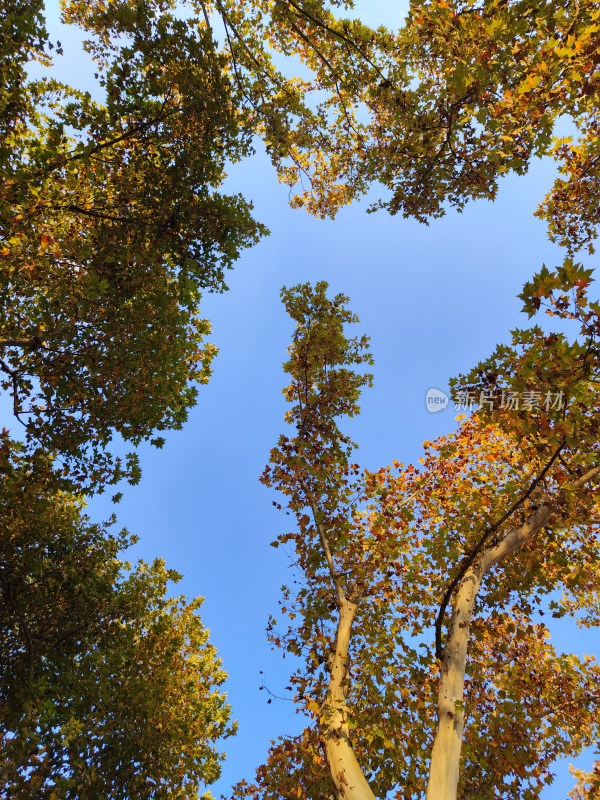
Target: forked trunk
(444, 768)
(444, 771)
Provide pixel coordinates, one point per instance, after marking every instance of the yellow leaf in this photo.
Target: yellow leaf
(312, 706)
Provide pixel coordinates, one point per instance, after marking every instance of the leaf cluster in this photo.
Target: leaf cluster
(108, 686)
(111, 227)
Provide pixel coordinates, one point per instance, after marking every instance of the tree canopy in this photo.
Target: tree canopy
(112, 226)
(465, 91)
(422, 668)
(483, 523)
(108, 685)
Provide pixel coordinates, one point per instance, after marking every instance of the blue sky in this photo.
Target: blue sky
(434, 300)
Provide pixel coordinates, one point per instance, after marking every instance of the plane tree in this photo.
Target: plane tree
(112, 225)
(109, 686)
(112, 222)
(433, 113)
(425, 668)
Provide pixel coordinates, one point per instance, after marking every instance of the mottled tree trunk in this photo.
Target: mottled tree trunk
(345, 770)
(444, 771)
(445, 755)
(444, 768)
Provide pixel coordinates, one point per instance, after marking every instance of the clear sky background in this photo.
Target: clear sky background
(434, 301)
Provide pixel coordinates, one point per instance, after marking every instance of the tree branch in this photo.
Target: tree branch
(90, 212)
(329, 66)
(32, 342)
(341, 597)
(479, 547)
(518, 536)
(446, 751)
(303, 13)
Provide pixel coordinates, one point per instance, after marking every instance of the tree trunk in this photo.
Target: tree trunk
(345, 770)
(444, 768)
(445, 755)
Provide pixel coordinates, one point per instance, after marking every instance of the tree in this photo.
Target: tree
(436, 113)
(111, 226)
(465, 91)
(484, 526)
(108, 687)
(105, 199)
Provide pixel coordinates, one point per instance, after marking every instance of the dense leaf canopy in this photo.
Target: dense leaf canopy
(108, 687)
(465, 91)
(111, 226)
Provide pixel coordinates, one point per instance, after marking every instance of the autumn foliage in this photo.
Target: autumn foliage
(417, 613)
(387, 545)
